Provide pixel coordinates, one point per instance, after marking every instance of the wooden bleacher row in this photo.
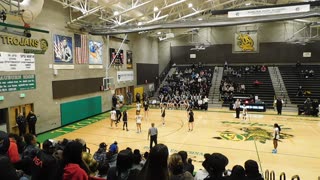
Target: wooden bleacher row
(265, 91)
(292, 79)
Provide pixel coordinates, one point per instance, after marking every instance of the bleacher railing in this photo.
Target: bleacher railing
(271, 175)
(281, 88)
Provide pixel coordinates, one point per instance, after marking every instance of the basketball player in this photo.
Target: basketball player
(244, 112)
(138, 121)
(191, 120)
(138, 106)
(125, 120)
(113, 117)
(146, 108)
(276, 137)
(163, 113)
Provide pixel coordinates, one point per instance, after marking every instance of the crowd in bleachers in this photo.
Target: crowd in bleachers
(187, 86)
(234, 82)
(71, 159)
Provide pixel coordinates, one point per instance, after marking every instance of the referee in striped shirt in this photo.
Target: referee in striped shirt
(153, 133)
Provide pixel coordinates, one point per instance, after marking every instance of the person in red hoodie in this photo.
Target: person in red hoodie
(72, 160)
(13, 153)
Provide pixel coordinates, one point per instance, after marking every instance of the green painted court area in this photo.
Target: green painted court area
(71, 127)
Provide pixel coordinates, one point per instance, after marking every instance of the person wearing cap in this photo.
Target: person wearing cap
(44, 165)
(215, 166)
(7, 170)
(112, 154)
(32, 119)
(101, 154)
(114, 147)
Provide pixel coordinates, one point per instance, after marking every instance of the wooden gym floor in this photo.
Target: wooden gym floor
(217, 130)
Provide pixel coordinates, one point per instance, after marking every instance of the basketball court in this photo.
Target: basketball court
(217, 130)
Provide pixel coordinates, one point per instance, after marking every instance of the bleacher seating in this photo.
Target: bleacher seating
(293, 78)
(264, 91)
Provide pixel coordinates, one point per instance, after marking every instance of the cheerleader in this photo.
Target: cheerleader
(163, 113)
(276, 137)
(138, 121)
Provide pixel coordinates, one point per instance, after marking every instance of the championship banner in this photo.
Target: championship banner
(124, 76)
(129, 60)
(246, 41)
(16, 62)
(118, 58)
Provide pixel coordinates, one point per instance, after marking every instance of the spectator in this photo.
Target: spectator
(137, 160)
(7, 170)
(252, 170)
(307, 106)
(101, 154)
(44, 165)
(263, 68)
(13, 152)
(216, 166)
(176, 168)
(300, 91)
(257, 83)
(112, 154)
(315, 107)
(203, 173)
(72, 162)
(237, 173)
(156, 167)
(103, 171)
(123, 165)
(186, 166)
(31, 148)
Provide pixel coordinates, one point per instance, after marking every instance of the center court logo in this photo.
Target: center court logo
(251, 133)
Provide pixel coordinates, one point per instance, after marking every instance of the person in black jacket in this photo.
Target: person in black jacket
(22, 124)
(32, 119)
(44, 165)
(7, 170)
(252, 170)
(114, 100)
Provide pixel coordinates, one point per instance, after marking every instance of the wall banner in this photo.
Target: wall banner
(95, 55)
(245, 41)
(124, 76)
(9, 83)
(62, 48)
(17, 62)
(129, 60)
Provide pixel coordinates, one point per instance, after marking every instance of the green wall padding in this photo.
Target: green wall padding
(80, 109)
